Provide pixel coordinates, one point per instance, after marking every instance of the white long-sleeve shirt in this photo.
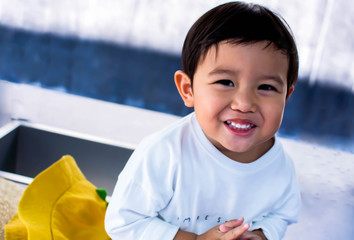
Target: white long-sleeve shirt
(177, 179)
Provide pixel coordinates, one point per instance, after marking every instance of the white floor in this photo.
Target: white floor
(325, 175)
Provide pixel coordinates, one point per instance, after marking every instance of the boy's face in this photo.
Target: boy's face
(238, 94)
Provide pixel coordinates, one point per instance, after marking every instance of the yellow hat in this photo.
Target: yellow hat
(59, 204)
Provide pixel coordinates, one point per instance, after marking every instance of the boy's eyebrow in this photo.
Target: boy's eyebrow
(222, 71)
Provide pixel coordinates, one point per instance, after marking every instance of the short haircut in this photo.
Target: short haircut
(239, 23)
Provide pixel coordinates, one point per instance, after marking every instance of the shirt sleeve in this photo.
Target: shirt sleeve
(284, 213)
(272, 226)
(143, 189)
(132, 214)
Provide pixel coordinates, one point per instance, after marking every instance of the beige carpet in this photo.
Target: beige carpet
(10, 195)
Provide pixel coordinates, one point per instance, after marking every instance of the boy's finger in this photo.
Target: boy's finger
(237, 232)
(234, 223)
(223, 228)
(227, 226)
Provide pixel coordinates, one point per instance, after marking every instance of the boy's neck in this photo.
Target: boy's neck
(251, 155)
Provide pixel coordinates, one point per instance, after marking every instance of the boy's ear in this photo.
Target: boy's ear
(291, 90)
(184, 87)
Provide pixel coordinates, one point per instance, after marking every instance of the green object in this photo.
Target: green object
(102, 193)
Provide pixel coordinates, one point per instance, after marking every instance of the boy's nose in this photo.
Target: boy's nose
(243, 102)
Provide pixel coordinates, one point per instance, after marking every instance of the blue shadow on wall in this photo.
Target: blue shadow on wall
(144, 78)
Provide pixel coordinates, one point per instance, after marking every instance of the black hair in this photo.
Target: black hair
(239, 22)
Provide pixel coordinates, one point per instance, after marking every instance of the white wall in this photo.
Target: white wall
(324, 29)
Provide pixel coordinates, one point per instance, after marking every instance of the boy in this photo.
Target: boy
(223, 161)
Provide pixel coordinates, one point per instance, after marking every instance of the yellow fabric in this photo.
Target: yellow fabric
(59, 204)
(15, 229)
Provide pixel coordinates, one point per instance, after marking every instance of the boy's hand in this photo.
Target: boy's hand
(254, 235)
(251, 236)
(230, 230)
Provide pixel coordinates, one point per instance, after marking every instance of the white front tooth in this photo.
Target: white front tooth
(237, 125)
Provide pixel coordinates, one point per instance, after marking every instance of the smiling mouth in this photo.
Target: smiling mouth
(240, 126)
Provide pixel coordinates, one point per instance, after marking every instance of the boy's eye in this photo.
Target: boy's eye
(267, 87)
(225, 82)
